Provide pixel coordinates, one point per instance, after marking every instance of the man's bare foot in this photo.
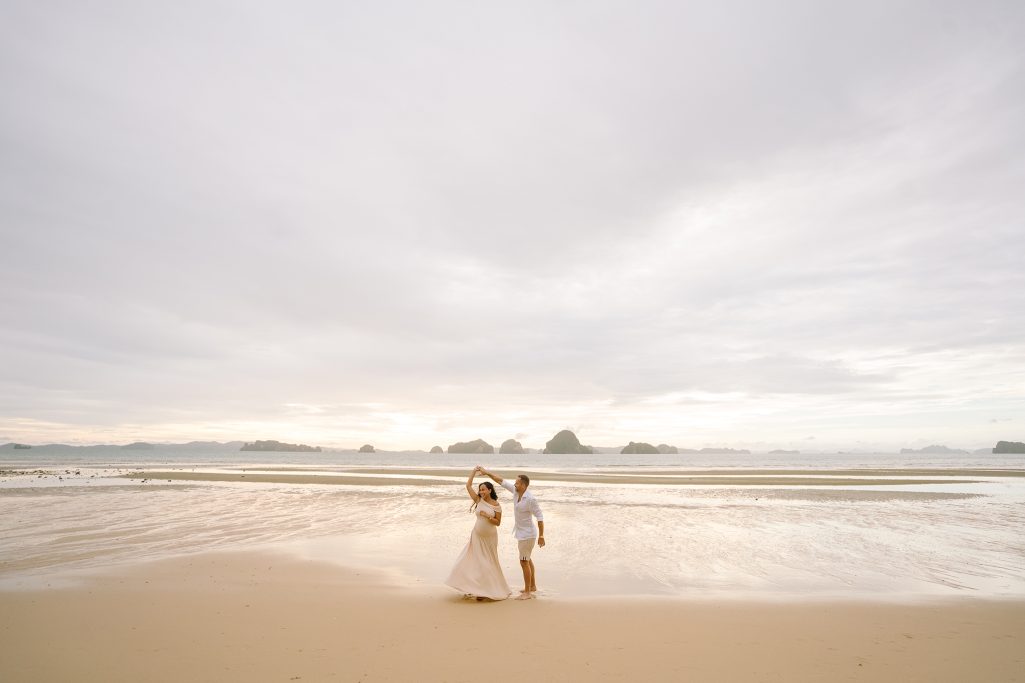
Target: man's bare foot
(524, 595)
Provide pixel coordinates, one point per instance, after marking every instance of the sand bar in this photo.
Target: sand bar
(858, 472)
(379, 478)
(680, 472)
(269, 617)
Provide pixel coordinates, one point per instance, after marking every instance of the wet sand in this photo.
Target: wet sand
(269, 617)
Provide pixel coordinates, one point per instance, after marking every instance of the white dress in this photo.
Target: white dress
(477, 571)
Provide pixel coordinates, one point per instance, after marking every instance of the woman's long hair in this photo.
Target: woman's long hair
(491, 488)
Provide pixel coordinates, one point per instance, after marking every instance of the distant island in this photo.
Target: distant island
(641, 447)
(475, 446)
(138, 445)
(566, 442)
(934, 449)
(511, 446)
(278, 447)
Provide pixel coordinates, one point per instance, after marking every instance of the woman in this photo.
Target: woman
(477, 571)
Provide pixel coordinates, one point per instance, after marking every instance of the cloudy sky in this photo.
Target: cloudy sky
(763, 225)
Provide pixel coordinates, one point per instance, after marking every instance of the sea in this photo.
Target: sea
(811, 526)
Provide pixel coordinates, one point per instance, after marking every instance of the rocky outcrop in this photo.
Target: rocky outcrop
(666, 449)
(279, 447)
(511, 446)
(437, 449)
(366, 448)
(639, 448)
(138, 446)
(1009, 447)
(566, 442)
(475, 446)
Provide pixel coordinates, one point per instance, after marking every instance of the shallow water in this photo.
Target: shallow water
(715, 541)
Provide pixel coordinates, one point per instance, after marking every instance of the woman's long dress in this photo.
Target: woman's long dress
(477, 571)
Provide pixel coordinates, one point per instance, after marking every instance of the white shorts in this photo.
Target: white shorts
(526, 547)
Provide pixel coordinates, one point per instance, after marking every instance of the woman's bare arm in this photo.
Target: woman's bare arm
(469, 486)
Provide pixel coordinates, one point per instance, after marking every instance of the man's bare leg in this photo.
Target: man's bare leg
(533, 577)
(528, 572)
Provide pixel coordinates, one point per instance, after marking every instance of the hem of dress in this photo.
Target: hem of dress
(478, 595)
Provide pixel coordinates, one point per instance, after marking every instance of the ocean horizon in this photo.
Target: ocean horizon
(57, 455)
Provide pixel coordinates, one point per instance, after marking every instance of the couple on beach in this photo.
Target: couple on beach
(477, 571)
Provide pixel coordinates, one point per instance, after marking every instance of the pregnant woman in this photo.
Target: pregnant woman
(477, 571)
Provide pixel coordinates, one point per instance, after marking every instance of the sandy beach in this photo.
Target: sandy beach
(262, 572)
(268, 617)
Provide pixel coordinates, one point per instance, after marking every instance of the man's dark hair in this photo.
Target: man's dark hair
(525, 478)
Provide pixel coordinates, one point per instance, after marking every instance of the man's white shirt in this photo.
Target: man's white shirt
(525, 509)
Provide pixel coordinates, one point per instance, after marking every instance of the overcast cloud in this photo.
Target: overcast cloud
(417, 223)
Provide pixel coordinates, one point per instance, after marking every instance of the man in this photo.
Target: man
(526, 510)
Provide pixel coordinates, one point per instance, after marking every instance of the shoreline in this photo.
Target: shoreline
(237, 616)
(443, 477)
